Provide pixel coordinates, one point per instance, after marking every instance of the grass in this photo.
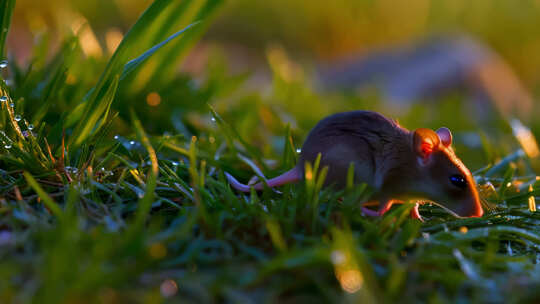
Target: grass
(106, 199)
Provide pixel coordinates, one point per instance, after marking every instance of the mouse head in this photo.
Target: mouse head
(444, 178)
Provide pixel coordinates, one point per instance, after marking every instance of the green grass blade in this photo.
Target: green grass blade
(7, 11)
(51, 92)
(131, 42)
(179, 47)
(289, 153)
(100, 111)
(145, 203)
(47, 200)
(133, 64)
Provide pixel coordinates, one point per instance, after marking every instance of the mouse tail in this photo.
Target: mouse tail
(290, 176)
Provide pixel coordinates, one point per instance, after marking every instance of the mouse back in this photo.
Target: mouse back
(358, 137)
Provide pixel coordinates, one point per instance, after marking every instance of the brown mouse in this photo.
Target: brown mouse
(397, 163)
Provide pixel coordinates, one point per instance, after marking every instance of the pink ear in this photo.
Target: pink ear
(425, 141)
(445, 135)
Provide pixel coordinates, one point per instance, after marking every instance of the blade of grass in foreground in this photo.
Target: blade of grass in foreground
(125, 50)
(5, 14)
(102, 108)
(145, 203)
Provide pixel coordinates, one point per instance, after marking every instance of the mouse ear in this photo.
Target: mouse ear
(424, 142)
(445, 135)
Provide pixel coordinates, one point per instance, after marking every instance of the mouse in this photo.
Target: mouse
(397, 163)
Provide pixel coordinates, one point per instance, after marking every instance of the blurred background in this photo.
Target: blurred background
(312, 30)
(297, 61)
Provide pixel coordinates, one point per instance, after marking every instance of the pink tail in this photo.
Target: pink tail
(290, 176)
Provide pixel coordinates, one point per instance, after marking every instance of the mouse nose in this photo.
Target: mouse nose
(473, 209)
(479, 212)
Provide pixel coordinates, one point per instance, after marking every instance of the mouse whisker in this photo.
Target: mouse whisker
(487, 205)
(445, 209)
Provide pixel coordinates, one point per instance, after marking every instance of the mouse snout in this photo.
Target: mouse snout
(470, 209)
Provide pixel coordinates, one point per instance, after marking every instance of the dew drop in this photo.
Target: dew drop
(30, 127)
(3, 98)
(3, 64)
(18, 117)
(71, 169)
(7, 146)
(116, 137)
(12, 105)
(298, 150)
(338, 257)
(174, 163)
(213, 119)
(132, 142)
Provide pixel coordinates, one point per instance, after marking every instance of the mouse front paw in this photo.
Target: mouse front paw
(415, 214)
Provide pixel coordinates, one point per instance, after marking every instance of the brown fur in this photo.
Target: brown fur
(390, 159)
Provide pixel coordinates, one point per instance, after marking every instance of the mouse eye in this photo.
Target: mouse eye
(459, 181)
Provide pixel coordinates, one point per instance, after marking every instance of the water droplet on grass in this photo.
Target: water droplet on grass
(7, 146)
(3, 64)
(12, 105)
(3, 98)
(18, 117)
(30, 127)
(132, 142)
(213, 119)
(298, 150)
(116, 137)
(71, 169)
(337, 257)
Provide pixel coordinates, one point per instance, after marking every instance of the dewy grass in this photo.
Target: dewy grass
(134, 207)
